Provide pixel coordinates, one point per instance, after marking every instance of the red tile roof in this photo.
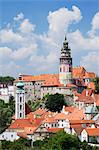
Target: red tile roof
(54, 130)
(91, 85)
(93, 131)
(40, 111)
(53, 79)
(75, 115)
(50, 120)
(90, 75)
(87, 92)
(20, 124)
(22, 134)
(78, 128)
(78, 72)
(69, 109)
(86, 99)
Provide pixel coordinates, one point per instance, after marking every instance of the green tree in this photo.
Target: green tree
(55, 102)
(6, 113)
(6, 80)
(59, 141)
(96, 81)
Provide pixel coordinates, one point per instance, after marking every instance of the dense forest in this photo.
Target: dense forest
(6, 79)
(58, 141)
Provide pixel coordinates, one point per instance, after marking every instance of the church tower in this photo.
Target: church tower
(20, 101)
(65, 68)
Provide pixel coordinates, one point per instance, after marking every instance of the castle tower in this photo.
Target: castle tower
(65, 68)
(20, 101)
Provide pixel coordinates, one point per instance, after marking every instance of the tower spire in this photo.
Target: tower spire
(65, 73)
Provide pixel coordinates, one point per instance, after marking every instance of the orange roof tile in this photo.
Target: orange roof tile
(37, 121)
(75, 122)
(78, 128)
(61, 116)
(96, 96)
(20, 124)
(39, 111)
(85, 99)
(54, 130)
(70, 109)
(78, 72)
(87, 91)
(30, 130)
(93, 131)
(50, 120)
(22, 134)
(70, 85)
(97, 103)
(90, 75)
(75, 115)
(91, 85)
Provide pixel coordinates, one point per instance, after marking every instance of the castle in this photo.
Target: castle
(68, 79)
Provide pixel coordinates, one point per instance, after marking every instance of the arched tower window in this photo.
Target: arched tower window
(60, 69)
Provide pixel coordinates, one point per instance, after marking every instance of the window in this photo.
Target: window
(60, 69)
(20, 115)
(39, 134)
(20, 107)
(20, 99)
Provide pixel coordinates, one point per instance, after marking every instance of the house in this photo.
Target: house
(6, 92)
(90, 135)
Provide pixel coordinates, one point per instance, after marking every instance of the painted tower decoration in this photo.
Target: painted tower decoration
(65, 69)
(20, 101)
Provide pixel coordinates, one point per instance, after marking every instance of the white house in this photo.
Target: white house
(9, 136)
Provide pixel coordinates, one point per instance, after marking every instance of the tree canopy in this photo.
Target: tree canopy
(6, 79)
(58, 141)
(96, 81)
(6, 113)
(55, 102)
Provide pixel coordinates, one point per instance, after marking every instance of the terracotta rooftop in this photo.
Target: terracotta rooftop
(50, 120)
(78, 128)
(53, 79)
(85, 99)
(87, 92)
(39, 111)
(90, 75)
(20, 124)
(69, 109)
(78, 72)
(54, 130)
(93, 131)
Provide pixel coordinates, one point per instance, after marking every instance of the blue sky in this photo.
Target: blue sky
(31, 34)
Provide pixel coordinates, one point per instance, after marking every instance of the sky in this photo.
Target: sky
(32, 33)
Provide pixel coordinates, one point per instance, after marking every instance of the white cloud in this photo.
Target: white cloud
(79, 42)
(5, 54)
(24, 52)
(28, 52)
(11, 69)
(7, 35)
(60, 20)
(20, 16)
(26, 26)
(95, 24)
(91, 62)
(42, 62)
